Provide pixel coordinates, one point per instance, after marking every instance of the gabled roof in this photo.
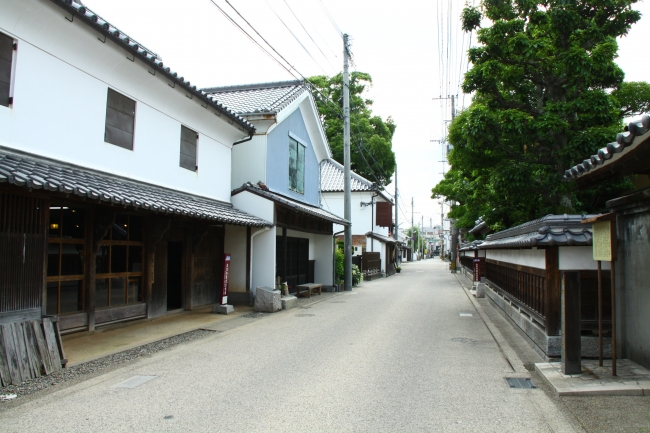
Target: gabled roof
(263, 98)
(295, 205)
(38, 173)
(629, 154)
(332, 177)
(150, 58)
(551, 230)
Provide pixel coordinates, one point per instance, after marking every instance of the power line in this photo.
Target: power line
(330, 18)
(312, 39)
(294, 36)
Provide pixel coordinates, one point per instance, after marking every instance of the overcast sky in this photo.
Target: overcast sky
(413, 49)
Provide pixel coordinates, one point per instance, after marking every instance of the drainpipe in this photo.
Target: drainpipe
(334, 255)
(244, 140)
(265, 229)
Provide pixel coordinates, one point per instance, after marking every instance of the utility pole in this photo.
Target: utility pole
(347, 212)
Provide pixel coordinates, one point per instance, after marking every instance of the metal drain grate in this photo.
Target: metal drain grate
(337, 302)
(520, 383)
(305, 315)
(464, 340)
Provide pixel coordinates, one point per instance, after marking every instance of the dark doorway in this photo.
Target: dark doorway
(296, 268)
(174, 275)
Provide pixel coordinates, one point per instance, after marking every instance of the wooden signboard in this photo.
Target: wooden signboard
(225, 279)
(604, 241)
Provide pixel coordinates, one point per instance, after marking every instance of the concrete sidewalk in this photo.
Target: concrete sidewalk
(87, 346)
(631, 378)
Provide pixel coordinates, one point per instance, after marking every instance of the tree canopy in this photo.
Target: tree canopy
(371, 149)
(542, 79)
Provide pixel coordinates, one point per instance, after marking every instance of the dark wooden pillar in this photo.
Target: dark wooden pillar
(90, 269)
(248, 258)
(154, 232)
(45, 226)
(553, 283)
(571, 332)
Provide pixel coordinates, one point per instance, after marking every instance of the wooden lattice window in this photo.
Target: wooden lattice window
(119, 263)
(120, 120)
(65, 260)
(6, 59)
(189, 141)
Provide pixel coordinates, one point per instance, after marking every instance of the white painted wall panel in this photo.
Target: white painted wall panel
(321, 250)
(249, 161)
(578, 258)
(263, 263)
(255, 205)
(362, 217)
(535, 258)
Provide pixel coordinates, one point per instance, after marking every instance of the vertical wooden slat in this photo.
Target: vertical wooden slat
(32, 351)
(21, 350)
(42, 346)
(11, 353)
(5, 376)
(51, 343)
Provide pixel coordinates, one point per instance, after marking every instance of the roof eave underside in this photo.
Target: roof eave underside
(35, 173)
(111, 32)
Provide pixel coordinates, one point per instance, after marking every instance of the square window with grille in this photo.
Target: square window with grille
(189, 141)
(296, 166)
(120, 120)
(7, 47)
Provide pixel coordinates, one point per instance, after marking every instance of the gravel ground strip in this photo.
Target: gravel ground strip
(101, 365)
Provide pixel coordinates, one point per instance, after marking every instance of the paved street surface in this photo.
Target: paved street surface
(410, 353)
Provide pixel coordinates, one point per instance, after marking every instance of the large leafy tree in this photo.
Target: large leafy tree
(542, 78)
(371, 152)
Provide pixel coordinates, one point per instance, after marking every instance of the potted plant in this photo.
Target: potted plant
(398, 269)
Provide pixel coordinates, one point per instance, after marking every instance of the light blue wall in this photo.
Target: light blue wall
(277, 160)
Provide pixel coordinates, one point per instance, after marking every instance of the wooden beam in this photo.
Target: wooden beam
(553, 289)
(248, 258)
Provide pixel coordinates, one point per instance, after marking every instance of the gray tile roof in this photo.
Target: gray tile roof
(636, 135)
(296, 205)
(551, 230)
(470, 246)
(263, 98)
(332, 179)
(382, 238)
(103, 27)
(36, 173)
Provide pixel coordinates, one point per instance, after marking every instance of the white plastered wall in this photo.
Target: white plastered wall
(321, 250)
(263, 241)
(578, 258)
(61, 77)
(535, 258)
(362, 217)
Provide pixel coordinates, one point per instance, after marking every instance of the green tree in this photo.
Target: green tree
(542, 79)
(371, 149)
(633, 97)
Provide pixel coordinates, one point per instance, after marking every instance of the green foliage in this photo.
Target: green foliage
(367, 131)
(340, 265)
(357, 276)
(542, 78)
(633, 97)
(413, 233)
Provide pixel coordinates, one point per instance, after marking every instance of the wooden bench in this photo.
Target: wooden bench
(308, 289)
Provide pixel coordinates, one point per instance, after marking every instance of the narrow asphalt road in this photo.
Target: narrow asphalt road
(409, 353)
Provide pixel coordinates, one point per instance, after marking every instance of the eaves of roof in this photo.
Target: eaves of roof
(148, 57)
(332, 177)
(38, 173)
(381, 238)
(293, 204)
(470, 246)
(627, 155)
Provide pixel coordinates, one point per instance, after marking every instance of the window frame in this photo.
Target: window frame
(13, 43)
(299, 185)
(185, 134)
(117, 113)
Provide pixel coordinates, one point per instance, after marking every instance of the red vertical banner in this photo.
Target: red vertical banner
(477, 269)
(224, 280)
